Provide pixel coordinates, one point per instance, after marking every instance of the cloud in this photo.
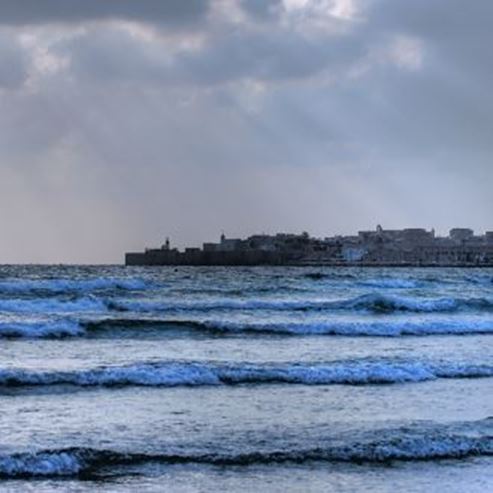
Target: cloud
(278, 55)
(262, 10)
(325, 115)
(14, 62)
(455, 35)
(168, 12)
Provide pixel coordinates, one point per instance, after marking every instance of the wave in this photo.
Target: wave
(378, 282)
(85, 304)
(237, 292)
(317, 276)
(374, 303)
(390, 283)
(368, 303)
(329, 328)
(219, 304)
(349, 328)
(486, 280)
(67, 328)
(391, 445)
(53, 329)
(58, 286)
(176, 373)
(379, 303)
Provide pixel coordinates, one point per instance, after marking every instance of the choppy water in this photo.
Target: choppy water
(246, 379)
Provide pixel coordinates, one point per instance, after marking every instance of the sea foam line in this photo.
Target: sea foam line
(373, 302)
(48, 329)
(357, 328)
(176, 373)
(395, 445)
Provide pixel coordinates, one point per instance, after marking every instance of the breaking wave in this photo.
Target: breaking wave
(374, 303)
(391, 445)
(335, 328)
(53, 329)
(386, 304)
(171, 374)
(394, 328)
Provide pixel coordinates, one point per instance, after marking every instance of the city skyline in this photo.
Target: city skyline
(378, 247)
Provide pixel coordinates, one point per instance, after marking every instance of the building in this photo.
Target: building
(379, 247)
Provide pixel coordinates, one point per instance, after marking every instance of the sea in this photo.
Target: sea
(259, 379)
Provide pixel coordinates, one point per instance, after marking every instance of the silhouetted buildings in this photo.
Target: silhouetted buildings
(410, 246)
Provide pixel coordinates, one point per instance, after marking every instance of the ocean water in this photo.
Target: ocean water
(246, 379)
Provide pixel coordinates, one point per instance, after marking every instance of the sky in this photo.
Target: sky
(123, 122)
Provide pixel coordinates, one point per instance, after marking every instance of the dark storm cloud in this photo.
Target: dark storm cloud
(169, 12)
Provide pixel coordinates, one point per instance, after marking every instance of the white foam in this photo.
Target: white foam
(40, 464)
(384, 445)
(379, 302)
(59, 328)
(171, 374)
(426, 446)
(391, 328)
(373, 302)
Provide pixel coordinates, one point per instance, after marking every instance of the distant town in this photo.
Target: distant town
(378, 247)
